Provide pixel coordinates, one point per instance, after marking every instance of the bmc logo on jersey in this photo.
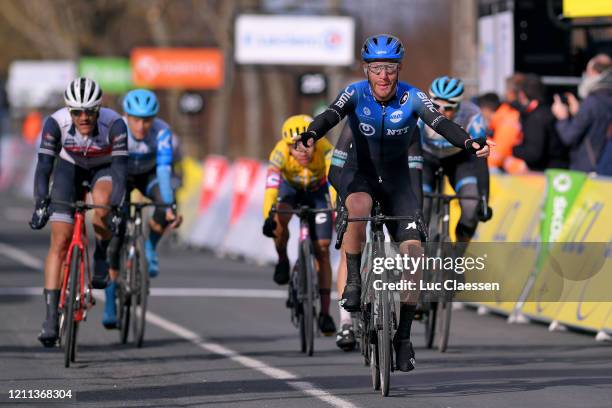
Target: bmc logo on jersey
(427, 102)
(346, 95)
(402, 131)
(396, 116)
(366, 129)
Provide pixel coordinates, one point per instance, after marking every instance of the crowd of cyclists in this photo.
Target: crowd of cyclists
(395, 139)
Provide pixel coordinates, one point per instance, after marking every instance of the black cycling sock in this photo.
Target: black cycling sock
(52, 297)
(405, 323)
(353, 268)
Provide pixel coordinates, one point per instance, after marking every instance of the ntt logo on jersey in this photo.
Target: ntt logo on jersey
(366, 129)
(427, 102)
(396, 116)
(346, 95)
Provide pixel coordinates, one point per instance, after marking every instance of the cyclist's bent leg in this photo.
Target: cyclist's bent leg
(358, 204)
(463, 175)
(61, 233)
(400, 200)
(65, 180)
(345, 338)
(321, 232)
(287, 199)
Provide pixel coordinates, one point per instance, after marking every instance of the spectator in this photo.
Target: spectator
(540, 147)
(585, 126)
(503, 121)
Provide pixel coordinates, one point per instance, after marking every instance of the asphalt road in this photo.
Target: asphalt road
(210, 347)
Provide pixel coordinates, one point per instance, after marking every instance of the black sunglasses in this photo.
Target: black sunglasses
(88, 112)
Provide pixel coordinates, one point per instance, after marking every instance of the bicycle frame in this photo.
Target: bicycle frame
(80, 241)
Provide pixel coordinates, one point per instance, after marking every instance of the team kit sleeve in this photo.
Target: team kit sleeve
(327, 150)
(118, 137)
(273, 177)
(425, 110)
(163, 163)
(344, 103)
(50, 145)
(415, 165)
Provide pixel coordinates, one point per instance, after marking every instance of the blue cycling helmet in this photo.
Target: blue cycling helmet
(447, 88)
(382, 47)
(141, 103)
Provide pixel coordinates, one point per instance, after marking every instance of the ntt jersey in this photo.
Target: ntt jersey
(468, 117)
(154, 149)
(283, 166)
(383, 131)
(60, 137)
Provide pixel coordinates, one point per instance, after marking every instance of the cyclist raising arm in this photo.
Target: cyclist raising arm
(298, 177)
(383, 114)
(90, 144)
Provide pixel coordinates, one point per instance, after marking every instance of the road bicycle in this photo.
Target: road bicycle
(133, 288)
(437, 310)
(303, 285)
(377, 318)
(76, 296)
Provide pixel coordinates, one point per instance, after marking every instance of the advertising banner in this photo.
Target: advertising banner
(495, 51)
(114, 74)
(590, 8)
(39, 83)
(294, 40)
(244, 179)
(177, 68)
(215, 170)
(562, 189)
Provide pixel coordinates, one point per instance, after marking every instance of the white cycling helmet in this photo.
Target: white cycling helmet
(83, 93)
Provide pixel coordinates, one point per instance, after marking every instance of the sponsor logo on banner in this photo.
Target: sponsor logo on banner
(366, 129)
(245, 171)
(172, 68)
(215, 169)
(396, 116)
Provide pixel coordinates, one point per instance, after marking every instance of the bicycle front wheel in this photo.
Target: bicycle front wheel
(141, 291)
(308, 302)
(445, 309)
(384, 342)
(70, 305)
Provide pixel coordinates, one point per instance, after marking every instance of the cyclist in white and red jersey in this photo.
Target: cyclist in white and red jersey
(86, 143)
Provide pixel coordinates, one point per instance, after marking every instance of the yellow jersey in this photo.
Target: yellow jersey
(283, 165)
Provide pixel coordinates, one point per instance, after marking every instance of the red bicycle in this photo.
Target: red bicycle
(76, 296)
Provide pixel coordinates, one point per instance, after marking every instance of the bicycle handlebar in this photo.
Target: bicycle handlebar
(81, 205)
(301, 210)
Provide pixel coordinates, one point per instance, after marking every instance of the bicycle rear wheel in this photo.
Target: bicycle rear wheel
(141, 290)
(69, 307)
(125, 298)
(308, 302)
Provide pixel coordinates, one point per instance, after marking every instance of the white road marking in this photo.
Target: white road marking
(21, 256)
(178, 292)
(276, 373)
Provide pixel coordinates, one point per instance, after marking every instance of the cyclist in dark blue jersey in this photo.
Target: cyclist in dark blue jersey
(383, 113)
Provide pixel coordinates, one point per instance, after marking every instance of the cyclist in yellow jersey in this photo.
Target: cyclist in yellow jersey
(298, 176)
